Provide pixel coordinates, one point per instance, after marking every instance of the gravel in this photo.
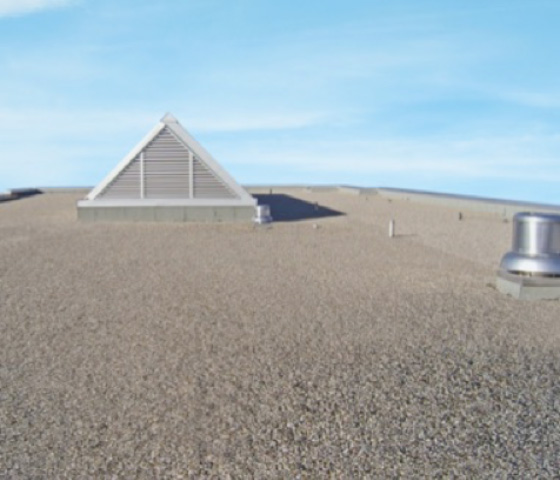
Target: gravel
(316, 348)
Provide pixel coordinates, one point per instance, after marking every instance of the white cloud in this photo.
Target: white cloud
(92, 141)
(79, 148)
(71, 147)
(253, 121)
(530, 158)
(22, 7)
(86, 124)
(61, 124)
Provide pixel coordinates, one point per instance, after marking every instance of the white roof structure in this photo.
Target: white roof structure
(169, 167)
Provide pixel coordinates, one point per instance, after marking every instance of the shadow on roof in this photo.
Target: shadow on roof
(284, 208)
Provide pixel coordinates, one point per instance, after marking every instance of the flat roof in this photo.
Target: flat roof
(316, 345)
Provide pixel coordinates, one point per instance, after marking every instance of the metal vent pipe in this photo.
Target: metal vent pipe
(535, 245)
(262, 214)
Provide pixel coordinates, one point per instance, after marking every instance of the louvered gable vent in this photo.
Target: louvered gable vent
(165, 166)
(169, 167)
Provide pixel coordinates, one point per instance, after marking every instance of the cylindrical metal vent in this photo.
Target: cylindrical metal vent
(262, 214)
(535, 234)
(535, 245)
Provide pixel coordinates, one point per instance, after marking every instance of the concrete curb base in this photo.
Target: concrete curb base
(202, 214)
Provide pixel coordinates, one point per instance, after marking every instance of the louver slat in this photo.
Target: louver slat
(126, 185)
(166, 168)
(208, 185)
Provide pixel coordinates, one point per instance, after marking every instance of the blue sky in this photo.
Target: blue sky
(443, 95)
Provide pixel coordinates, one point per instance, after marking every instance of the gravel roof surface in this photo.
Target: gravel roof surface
(315, 348)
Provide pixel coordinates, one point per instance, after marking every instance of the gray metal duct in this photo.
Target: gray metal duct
(535, 247)
(262, 214)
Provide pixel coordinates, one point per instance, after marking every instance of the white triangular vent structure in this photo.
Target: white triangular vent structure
(168, 168)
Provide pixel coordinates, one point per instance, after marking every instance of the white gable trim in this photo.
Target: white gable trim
(126, 161)
(190, 143)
